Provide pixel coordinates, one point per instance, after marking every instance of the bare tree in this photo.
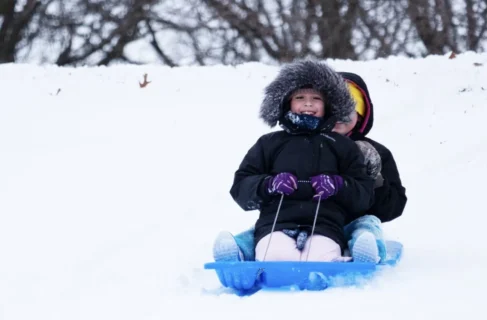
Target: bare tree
(75, 32)
(335, 21)
(13, 26)
(287, 29)
(233, 31)
(475, 23)
(379, 26)
(203, 32)
(449, 25)
(99, 30)
(431, 24)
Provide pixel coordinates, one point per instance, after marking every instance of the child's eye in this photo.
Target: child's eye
(317, 98)
(298, 97)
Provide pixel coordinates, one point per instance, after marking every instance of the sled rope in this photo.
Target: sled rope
(273, 226)
(313, 229)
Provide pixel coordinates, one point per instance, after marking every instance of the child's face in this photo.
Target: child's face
(308, 101)
(344, 128)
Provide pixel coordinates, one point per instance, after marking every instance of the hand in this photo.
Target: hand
(326, 186)
(373, 161)
(283, 183)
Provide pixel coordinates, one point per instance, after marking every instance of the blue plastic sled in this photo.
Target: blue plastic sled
(247, 277)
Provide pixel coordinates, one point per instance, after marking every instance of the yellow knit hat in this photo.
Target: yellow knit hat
(358, 98)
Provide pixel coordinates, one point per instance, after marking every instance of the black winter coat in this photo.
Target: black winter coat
(304, 155)
(390, 198)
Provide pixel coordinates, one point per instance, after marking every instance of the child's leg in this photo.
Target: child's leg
(282, 248)
(365, 239)
(225, 248)
(322, 249)
(240, 247)
(246, 243)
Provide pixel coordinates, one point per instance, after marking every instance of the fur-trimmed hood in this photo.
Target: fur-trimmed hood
(301, 74)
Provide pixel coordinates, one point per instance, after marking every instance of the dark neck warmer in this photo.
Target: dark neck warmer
(303, 121)
(295, 123)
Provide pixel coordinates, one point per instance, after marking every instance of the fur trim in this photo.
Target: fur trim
(317, 75)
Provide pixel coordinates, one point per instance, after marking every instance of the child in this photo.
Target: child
(364, 234)
(302, 165)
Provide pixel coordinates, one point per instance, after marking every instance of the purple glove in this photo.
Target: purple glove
(282, 183)
(326, 185)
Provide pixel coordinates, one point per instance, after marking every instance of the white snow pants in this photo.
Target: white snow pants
(283, 248)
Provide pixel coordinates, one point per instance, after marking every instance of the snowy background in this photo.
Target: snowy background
(111, 194)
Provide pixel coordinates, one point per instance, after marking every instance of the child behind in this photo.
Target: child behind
(305, 163)
(366, 239)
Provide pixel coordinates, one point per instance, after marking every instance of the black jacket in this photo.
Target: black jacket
(304, 154)
(390, 198)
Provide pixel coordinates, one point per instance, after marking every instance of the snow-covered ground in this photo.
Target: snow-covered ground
(111, 194)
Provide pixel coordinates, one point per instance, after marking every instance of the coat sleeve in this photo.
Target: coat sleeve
(390, 198)
(248, 188)
(357, 194)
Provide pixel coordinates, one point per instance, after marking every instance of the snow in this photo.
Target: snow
(111, 195)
